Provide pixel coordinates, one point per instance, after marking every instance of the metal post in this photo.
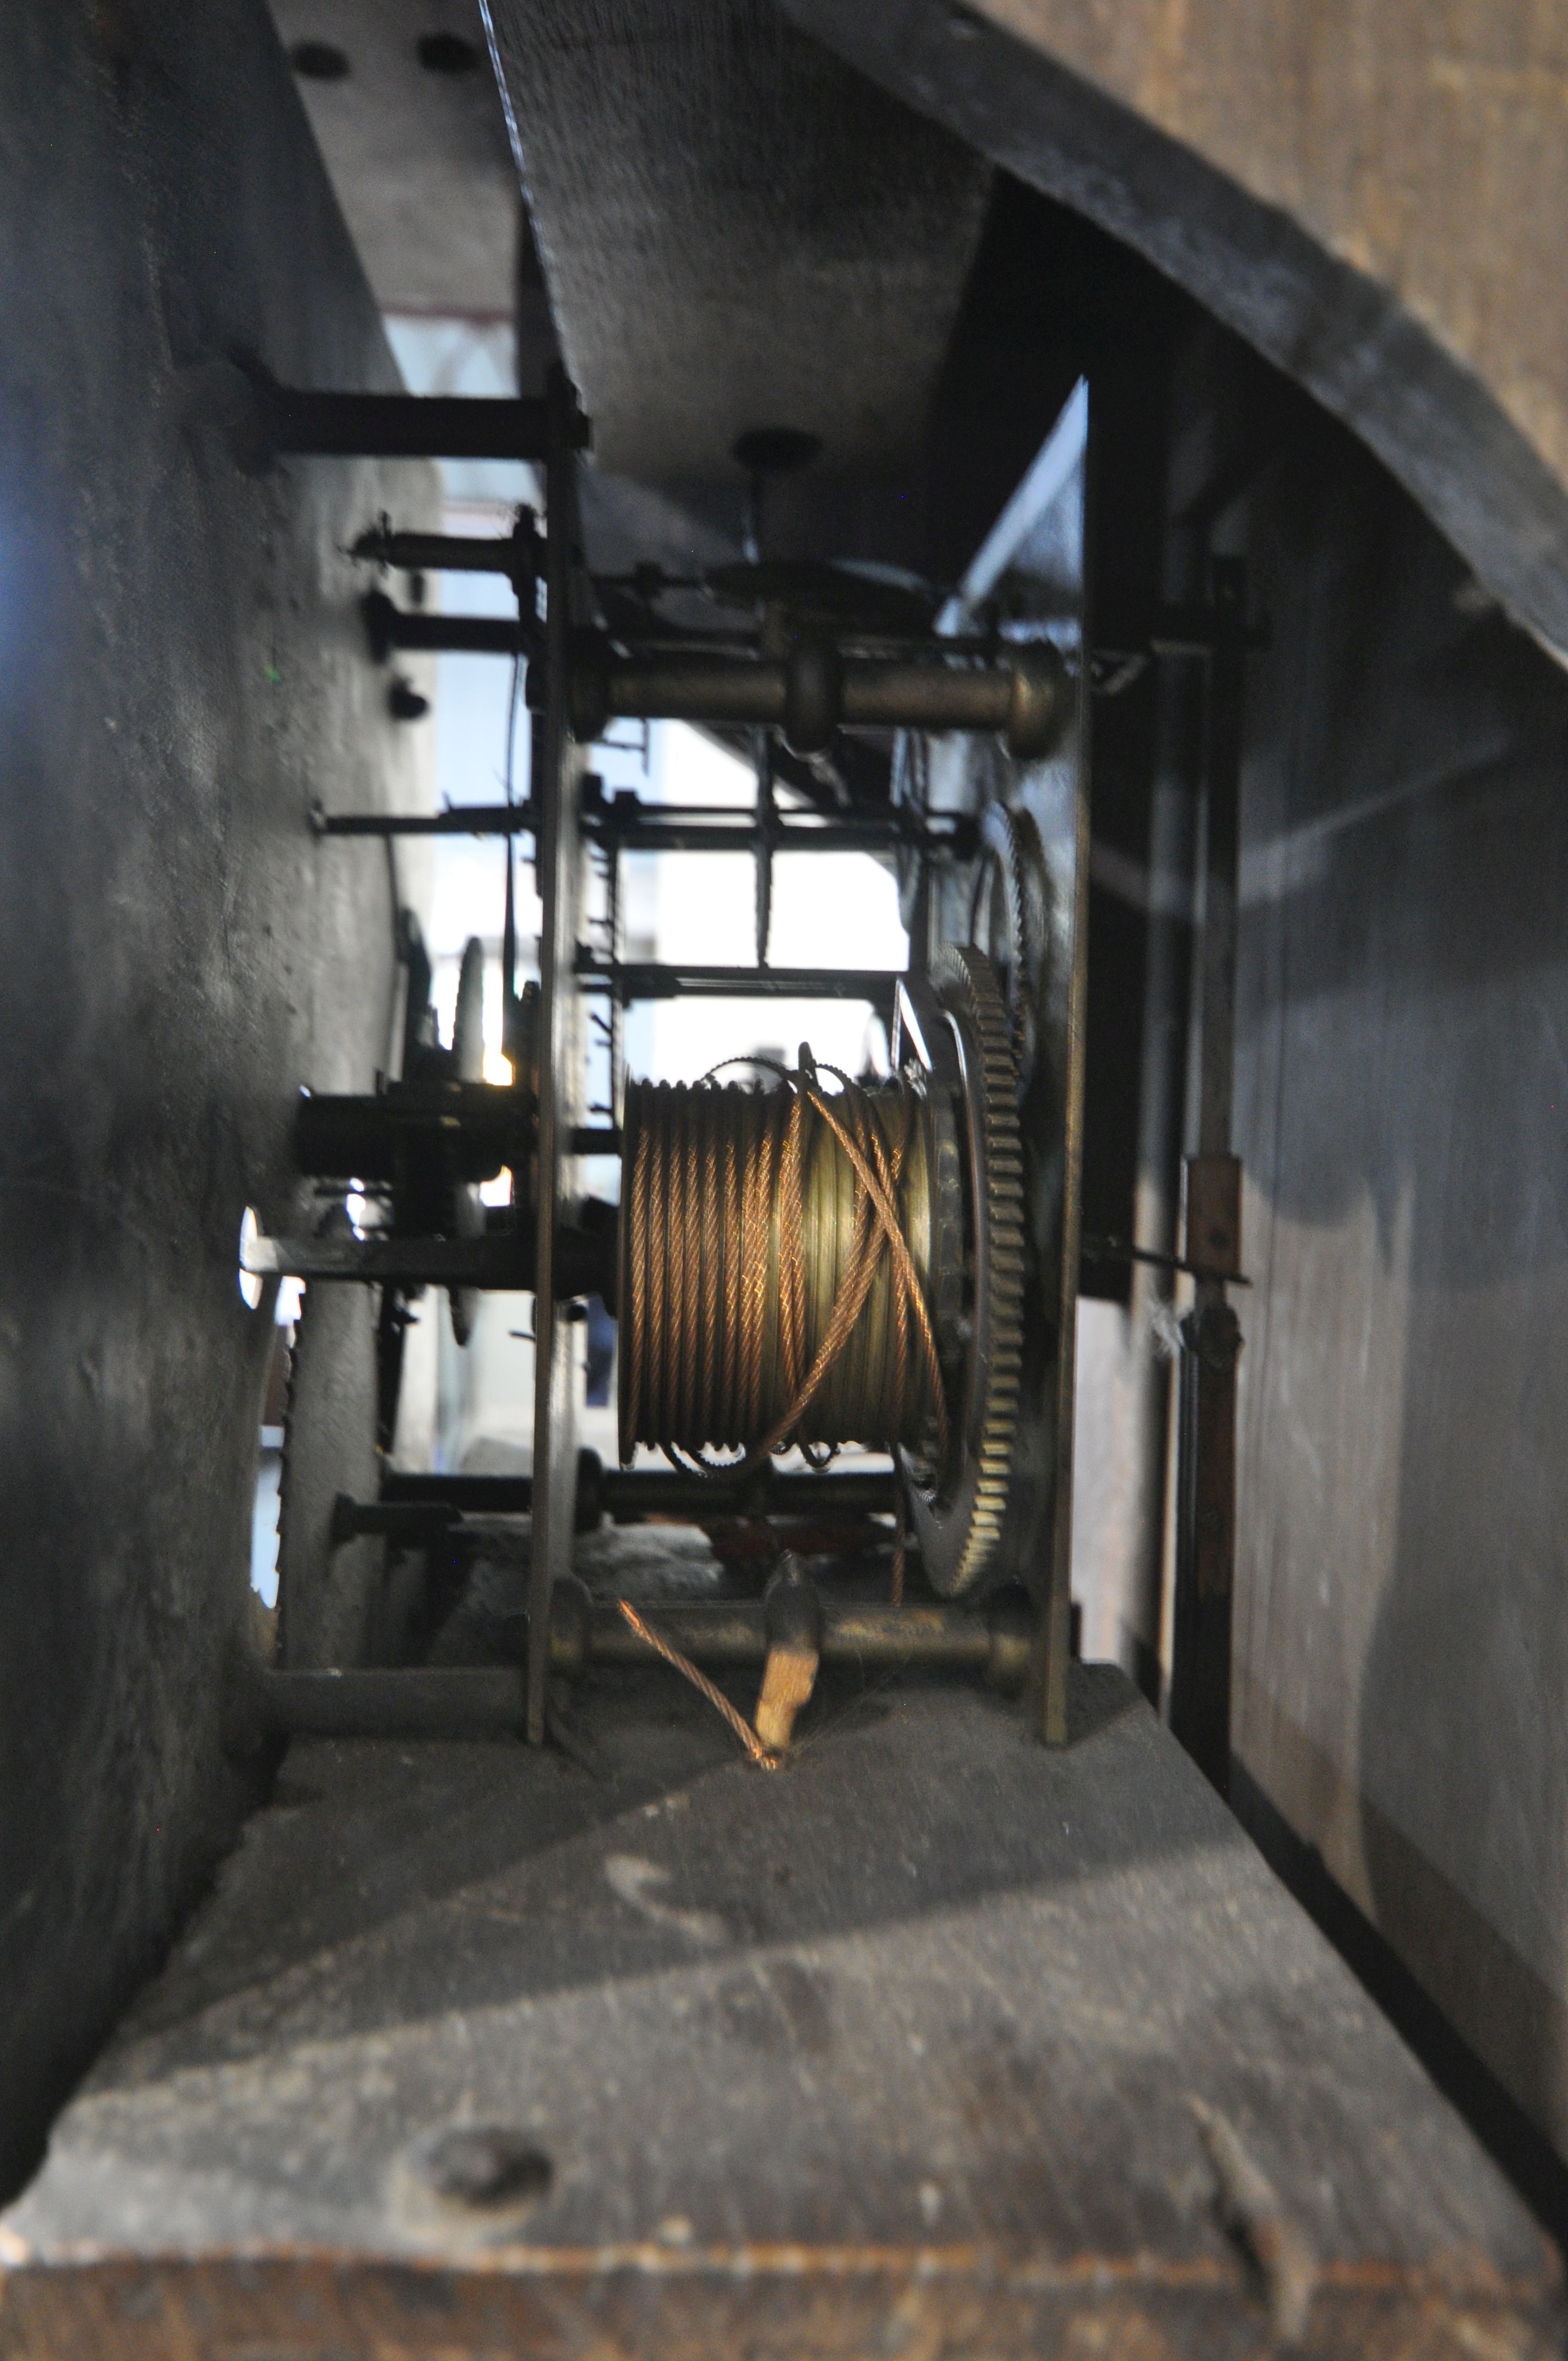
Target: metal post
(629, 1494)
(389, 627)
(473, 1701)
(1167, 1008)
(405, 426)
(1206, 1476)
(611, 849)
(766, 828)
(817, 689)
(1053, 1644)
(642, 980)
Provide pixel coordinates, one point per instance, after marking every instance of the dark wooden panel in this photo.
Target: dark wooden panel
(737, 232)
(182, 669)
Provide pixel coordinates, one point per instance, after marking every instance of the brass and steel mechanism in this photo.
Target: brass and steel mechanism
(800, 1260)
(796, 1260)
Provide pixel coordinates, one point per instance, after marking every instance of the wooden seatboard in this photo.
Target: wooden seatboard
(937, 2040)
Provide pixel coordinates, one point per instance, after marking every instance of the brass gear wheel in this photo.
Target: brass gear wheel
(959, 1519)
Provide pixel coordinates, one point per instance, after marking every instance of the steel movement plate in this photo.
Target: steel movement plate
(558, 863)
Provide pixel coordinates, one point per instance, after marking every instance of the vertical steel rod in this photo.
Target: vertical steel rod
(1206, 1476)
(612, 930)
(1053, 1636)
(1167, 1006)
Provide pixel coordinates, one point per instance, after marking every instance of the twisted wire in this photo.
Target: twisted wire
(762, 1756)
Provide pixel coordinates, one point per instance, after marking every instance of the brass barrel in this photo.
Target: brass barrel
(745, 1239)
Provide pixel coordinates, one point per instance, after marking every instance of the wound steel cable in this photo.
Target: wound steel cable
(775, 1268)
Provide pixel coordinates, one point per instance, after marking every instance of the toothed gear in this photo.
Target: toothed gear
(1010, 919)
(959, 1519)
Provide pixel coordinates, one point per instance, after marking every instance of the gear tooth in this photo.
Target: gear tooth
(997, 1073)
